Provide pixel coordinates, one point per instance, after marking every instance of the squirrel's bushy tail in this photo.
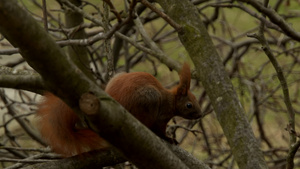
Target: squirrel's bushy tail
(57, 125)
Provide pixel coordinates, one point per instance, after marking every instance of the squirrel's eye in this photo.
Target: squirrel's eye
(189, 105)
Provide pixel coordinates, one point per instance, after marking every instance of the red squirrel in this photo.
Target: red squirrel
(138, 92)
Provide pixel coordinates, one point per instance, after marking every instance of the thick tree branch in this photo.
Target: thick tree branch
(110, 157)
(217, 84)
(64, 79)
(24, 80)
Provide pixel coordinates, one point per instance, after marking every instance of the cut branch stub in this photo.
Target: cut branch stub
(89, 104)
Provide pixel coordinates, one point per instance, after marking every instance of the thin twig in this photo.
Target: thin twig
(107, 42)
(284, 86)
(42, 150)
(275, 18)
(45, 15)
(84, 14)
(172, 64)
(113, 10)
(23, 161)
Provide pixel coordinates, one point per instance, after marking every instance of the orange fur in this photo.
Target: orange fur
(140, 93)
(57, 124)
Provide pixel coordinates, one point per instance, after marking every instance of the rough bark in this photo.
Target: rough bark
(217, 84)
(25, 80)
(111, 157)
(65, 79)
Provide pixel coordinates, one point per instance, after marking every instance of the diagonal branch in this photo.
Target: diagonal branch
(217, 84)
(67, 81)
(25, 80)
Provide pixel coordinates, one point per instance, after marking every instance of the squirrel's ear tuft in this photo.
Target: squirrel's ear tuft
(185, 79)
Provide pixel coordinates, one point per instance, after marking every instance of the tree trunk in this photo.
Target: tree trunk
(217, 84)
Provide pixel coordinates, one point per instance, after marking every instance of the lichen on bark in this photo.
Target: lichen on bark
(211, 72)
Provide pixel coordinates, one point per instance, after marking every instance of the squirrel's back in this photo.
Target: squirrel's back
(129, 82)
(138, 92)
